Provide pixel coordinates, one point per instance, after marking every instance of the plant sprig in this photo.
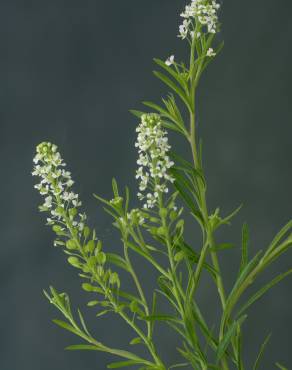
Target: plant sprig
(169, 187)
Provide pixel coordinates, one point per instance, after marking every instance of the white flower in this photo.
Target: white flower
(184, 29)
(170, 60)
(202, 11)
(48, 201)
(54, 183)
(211, 52)
(154, 162)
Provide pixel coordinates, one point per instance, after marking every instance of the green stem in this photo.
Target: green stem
(204, 210)
(137, 283)
(210, 242)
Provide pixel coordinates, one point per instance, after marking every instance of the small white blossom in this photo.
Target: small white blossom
(169, 61)
(211, 52)
(154, 162)
(184, 29)
(48, 201)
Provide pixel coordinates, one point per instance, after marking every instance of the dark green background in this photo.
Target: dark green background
(69, 72)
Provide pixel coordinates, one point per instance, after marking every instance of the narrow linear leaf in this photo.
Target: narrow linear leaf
(261, 352)
(227, 337)
(227, 219)
(194, 257)
(174, 87)
(172, 127)
(279, 236)
(157, 107)
(243, 275)
(117, 365)
(244, 246)
(83, 322)
(172, 72)
(117, 260)
(238, 346)
(137, 113)
(263, 290)
(66, 326)
(179, 365)
(188, 201)
(281, 367)
(82, 347)
(162, 318)
(222, 246)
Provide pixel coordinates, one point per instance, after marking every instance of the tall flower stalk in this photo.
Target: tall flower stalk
(170, 187)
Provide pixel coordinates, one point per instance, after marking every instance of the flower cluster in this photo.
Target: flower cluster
(202, 11)
(68, 223)
(55, 184)
(154, 162)
(136, 217)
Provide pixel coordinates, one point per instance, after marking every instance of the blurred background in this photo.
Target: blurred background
(69, 73)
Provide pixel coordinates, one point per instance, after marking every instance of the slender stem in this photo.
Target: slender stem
(101, 347)
(137, 283)
(210, 242)
(177, 289)
(204, 210)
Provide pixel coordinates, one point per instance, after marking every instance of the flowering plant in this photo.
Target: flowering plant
(170, 187)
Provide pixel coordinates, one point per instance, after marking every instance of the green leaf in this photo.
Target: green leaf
(174, 111)
(227, 219)
(162, 318)
(189, 202)
(117, 260)
(281, 367)
(261, 352)
(174, 87)
(86, 232)
(185, 182)
(180, 79)
(244, 243)
(227, 337)
(83, 322)
(263, 290)
(137, 113)
(74, 261)
(115, 188)
(116, 365)
(177, 158)
(238, 347)
(92, 303)
(179, 365)
(71, 244)
(279, 236)
(126, 295)
(203, 326)
(153, 312)
(244, 273)
(171, 126)
(82, 347)
(164, 113)
(156, 107)
(102, 313)
(194, 257)
(222, 246)
(136, 340)
(66, 326)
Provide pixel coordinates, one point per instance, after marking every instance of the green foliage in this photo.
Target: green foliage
(156, 234)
